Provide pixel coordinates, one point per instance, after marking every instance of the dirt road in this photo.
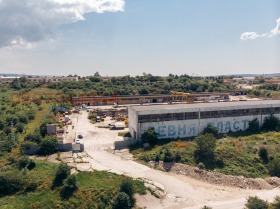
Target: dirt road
(181, 191)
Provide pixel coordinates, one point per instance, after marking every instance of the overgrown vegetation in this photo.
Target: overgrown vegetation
(21, 187)
(257, 203)
(243, 153)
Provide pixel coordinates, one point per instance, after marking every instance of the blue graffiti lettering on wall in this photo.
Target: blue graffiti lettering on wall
(172, 131)
(184, 130)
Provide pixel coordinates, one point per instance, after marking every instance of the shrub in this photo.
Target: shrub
(254, 125)
(271, 123)
(201, 165)
(35, 137)
(263, 154)
(10, 184)
(206, 145)
(177, 157)
(150, 136)
(274, 167)
(20, 127)
(127, 187)
(48, 146)
(211, 130)
(256, 203)
(62, 172)
(121, 201)
(31, 164)
(167, 156)
(276, 203)
(23, 162)
(69, 187)
(2, 124)
(23, 119)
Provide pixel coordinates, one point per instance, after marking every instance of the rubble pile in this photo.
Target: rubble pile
(218, 178)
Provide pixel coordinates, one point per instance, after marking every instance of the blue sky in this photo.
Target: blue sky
(151, 36)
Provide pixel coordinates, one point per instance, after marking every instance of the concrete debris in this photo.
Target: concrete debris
(218, 178)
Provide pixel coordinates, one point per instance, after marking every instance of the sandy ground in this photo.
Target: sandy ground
(179, 191)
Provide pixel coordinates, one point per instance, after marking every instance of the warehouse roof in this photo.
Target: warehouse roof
(210, 105)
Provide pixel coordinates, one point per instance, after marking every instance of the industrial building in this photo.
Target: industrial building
(186, 120)
(142, 99)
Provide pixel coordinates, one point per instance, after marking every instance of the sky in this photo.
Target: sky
(132, 37)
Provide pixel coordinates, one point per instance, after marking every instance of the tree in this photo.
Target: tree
(205, 151)
(48, 146)
(69, 187)
(271, 123)
(256, 203)
(150, 136)
(274, 167)
(211, 130)
(62, 172)
(35, 137)
(167, 156)
(254, 125)
(263, 154)
(127, 187)
(121, 201)
(20, 127)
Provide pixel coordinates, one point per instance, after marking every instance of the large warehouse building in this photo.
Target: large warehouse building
(186, 120)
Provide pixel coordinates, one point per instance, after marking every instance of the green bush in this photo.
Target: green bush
(20, 127)
(263, 154)
(150, 136)
(2, 125)
(211, 130)
(23, 119)
(167, 156)
(69, 187)
(62, 172)
(276, 203)
(254, 125)
(121, 201)
(205, 151)
(271, 123)
(201, 166)
(274, 167)
(23, 162)
(48, 146)
(10, 184)
(256, 203)
(35, 137)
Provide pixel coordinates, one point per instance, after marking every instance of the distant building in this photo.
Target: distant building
(7, 80)
(45, 79)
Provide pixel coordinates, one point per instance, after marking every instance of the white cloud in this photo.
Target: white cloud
(276, 30)
(249, 35)
(23, 22)
(254, 35)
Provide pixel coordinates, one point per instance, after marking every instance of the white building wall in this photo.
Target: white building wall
(188, 128)
(133, 120)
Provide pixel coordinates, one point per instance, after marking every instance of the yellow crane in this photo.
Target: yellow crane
(184, 97)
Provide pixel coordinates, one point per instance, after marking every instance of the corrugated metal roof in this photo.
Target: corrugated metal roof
(210, 105)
